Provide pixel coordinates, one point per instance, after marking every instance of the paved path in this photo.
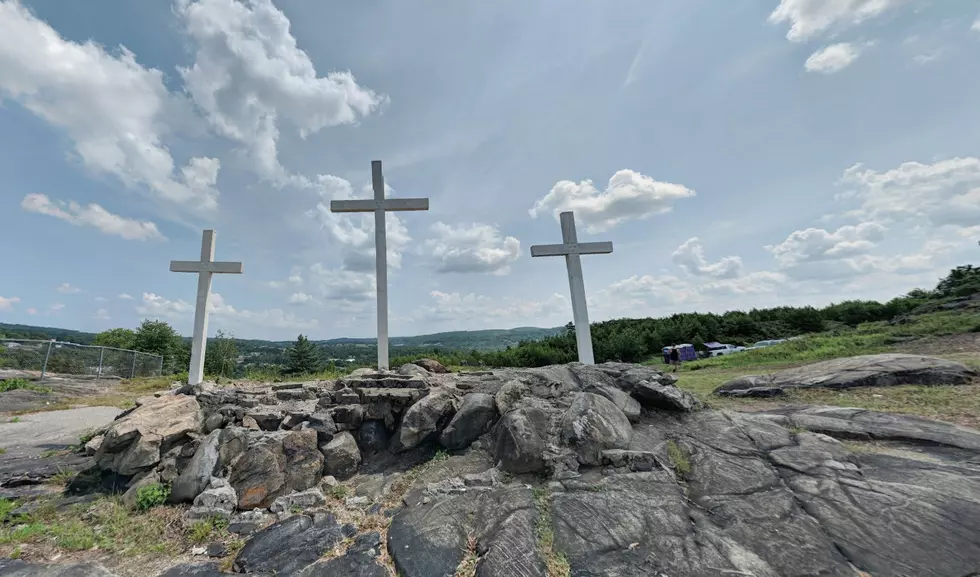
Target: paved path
(37, 432)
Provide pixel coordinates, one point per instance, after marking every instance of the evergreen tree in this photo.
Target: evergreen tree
(303, 357)
(159, 338)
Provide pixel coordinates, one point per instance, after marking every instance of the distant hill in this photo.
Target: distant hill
(483, 340)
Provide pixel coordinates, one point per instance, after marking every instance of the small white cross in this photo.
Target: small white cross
(205, 268)
(379, 205)
(572, 249)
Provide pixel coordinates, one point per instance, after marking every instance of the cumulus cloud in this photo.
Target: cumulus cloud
(628, 195)
(811, 18)
(114, 109)
(690, 257)
(343, 285)
(300, 298)
(274, 318)
(92, 215)
(249, 74)
(55, 307)
(354, 233)
(159, 307)
(66, 288)
(816, 253)
(7, 303)
(474, 248)
(30, 311)
(125, 297)
(944, 193)
(833, 58)
(102, 315)
(976, 25)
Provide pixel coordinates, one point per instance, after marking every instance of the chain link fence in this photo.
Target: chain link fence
(47, 358)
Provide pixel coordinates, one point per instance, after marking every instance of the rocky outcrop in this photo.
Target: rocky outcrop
(341, 455)
(431, 366)
(290, 545)
(135, 441)
(476, 414)
(425, 419)
(883, 370)
(273, 464)
(592, 425)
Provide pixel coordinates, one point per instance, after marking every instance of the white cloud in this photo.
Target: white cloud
(628, 195)
(125, 297)
(92, 215)
(457, 307)
(267, 318)
(690, 257)
(67, 289)
(945, 193)
(816, 253)
(976, 25)
(760, 282)
(100, 299)
(55, 307)
(30, 311)
(102, 315)
(300, 298)
(927, 57)
(156, 306)
(810, 18)
(114, 109)
(640, 289)
(475, 248)
(355, 233)
(7, 303)
(343, 285)
(833, 58)
(249, 73)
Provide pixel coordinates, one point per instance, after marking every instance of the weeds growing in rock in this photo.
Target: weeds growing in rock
(555, 561)
(3, 451)
(24, 384)
(467, 567)
(151, 496)
(338, 492)
(205, 531)
(678, 459)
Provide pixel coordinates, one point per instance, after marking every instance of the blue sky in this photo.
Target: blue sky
(738, 154)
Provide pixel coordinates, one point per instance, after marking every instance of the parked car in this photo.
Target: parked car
(719, 349)
(764, 344)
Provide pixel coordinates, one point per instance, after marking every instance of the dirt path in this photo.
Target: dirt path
(30, 435)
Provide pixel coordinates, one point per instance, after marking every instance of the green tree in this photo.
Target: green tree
(159, 338)
(221, 357)
(303, 357)
(116, 338)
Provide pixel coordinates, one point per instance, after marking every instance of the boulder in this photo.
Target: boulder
(424, 420)
(198, 471)
(592, 425)
(264, 466)
(323, 424)
(130, 497)
(520, 441)
(304, 461)
(341, 455)
(882, 370)
(509, 394)
(289, 546)
(218, 500)
(257, 476)
(303, 500)
(133, 443)
(372, 436)
(654, 395)
(623, 401)
(360, 560)
(93, 444)
(412, 370)
(475, 416)
(431, 366)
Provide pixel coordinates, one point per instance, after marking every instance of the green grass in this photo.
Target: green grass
(152, 495)
(3, 451)
(556, 564)
(679, 459)
(14, 420)
(14, 384)
(207, 530)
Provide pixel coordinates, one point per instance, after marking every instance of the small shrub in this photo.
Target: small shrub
(6, 506)
(3, 451)
(14, 384)
(15, 420)
(678, 459)
(62, 478)
(203, 531)
(338, 492)
(152, 496)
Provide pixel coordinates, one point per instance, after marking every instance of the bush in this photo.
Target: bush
(152, 496)
(13, 384)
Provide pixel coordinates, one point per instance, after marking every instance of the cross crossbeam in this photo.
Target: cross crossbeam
(572, 250)
(204, 268)
(379, 205)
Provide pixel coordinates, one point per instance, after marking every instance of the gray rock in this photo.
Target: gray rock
(347, 417)
(323, 424)
(304, 461)
(267, 418)
(882, 370)
(412, 370)
(424, 420)
(289, 546)
(431, 365)
(304, 500)
(372, 436)
(133, 442)
(592, 425)
(360, 560)
(519, 441)
(214, 422)
(130, 497)
(210, 569)
(341, 455)
(475, 416)
(17, 568)
(635, 461)
(217, 501)
(657, 396)
(623, 401)
(508, 396)
(92, 446)
(199, 470)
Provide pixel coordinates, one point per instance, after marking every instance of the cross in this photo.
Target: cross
(571, 249)
(379, 205)
(205, 268)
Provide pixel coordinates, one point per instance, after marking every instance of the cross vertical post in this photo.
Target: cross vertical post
(379, 205)
(572, 250)
(204, 268)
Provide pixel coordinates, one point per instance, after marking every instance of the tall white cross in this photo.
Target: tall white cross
(379, 205)
(571, 249)
(205, 268)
